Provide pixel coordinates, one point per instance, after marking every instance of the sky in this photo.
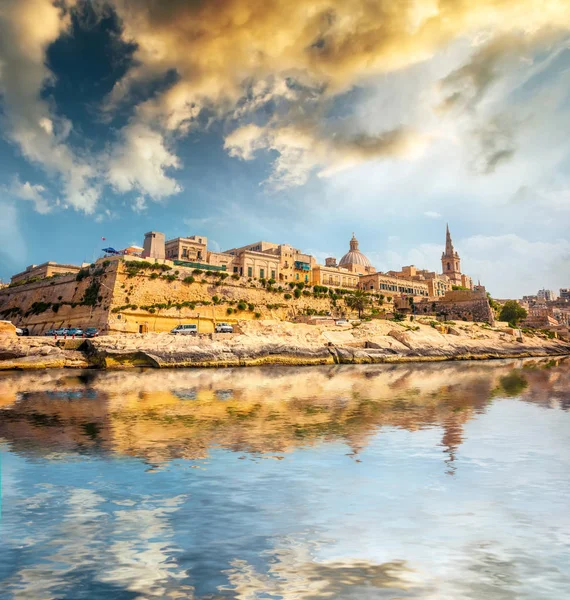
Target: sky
(291, 122)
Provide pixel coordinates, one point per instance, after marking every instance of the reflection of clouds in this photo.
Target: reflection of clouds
(294, 573)
(126, 548)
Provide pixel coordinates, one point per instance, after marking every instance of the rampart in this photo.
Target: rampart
(125, 296)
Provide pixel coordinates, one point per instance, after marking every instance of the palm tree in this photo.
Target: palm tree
(358, 300)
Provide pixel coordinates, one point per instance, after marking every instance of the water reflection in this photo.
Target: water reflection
(437, 481)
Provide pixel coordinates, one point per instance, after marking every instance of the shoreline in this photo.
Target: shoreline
(280, 343)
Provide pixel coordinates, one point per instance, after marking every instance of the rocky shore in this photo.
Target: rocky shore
(279, 343)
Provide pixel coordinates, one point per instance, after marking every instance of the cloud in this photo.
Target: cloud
(431, 214)
(27, 28)
(301, 149)
(32, 193)
(140, 162)
(281, 65)
(139, 204)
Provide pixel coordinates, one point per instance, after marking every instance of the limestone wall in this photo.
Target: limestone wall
(57, 302)
(147, 290)
(476, 309)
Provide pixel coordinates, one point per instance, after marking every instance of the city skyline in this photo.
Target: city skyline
(241, 124)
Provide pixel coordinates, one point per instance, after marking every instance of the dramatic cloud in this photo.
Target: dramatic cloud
(235, 57)
(27, 28)
(302, 149)
(140, 161)
(32, 193)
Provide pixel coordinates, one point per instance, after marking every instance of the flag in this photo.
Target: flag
(104, 239)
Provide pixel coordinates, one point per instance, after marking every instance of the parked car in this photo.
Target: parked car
(22, 331)
(224, 328)
(60, 332)
(342, 322)
(50, 332)
(91, 332)
(74, 331)
(185, 330)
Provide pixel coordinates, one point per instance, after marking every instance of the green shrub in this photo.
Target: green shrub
(257, 315)
(82, 274)
(287, 296)
(91, 294)
(235, 276)
(189, 279)
(152, 310)
(215, 299)
(251, 306)
(197, 272)
(154, 275)
(229, 311)
(242, 305)
(297, 293)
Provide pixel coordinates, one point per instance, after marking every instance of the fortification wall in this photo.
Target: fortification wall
(476, 309)
(149, 300)
(147, 290)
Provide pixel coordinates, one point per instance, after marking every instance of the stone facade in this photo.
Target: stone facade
(334, 276)
(47, 269)
(466, 305)
(392, 286)
(154, 245)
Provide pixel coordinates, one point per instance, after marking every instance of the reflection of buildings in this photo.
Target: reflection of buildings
(171, 414)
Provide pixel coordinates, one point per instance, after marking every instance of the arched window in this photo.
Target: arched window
(448, 267)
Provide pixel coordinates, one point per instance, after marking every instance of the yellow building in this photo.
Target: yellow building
(46, 269)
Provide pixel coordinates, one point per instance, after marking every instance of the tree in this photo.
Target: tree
(512, 312)
(357, 301)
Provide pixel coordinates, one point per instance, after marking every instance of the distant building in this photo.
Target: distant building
(47, 269)
(565, 293)
(354, 261)
(548, 295)
(451, 265)
(153, 246)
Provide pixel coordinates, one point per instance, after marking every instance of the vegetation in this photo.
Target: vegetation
(91, 294)
(188, 280)
(357, 301)
(512, 312)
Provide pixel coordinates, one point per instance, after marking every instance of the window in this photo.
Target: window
(261, 273)
(235, 269)
(448, 267)
(306, 279)
(272, 274)
(297, 276)
(250, 271)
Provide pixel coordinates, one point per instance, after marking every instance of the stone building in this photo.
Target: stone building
(390, 285)
(438, 285)
(47, 269)
(354, 261)
(267, 260)
(451, 265)
(334, 276)
(153, 246)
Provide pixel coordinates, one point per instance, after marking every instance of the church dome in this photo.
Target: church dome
(354, 256)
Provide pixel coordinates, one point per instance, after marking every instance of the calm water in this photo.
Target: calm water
(443, 482)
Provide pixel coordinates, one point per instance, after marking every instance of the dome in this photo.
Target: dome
(354, 256)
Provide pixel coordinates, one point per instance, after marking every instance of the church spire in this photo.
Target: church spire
(449, 250)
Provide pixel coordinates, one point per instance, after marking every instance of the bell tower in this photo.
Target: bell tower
(450, 261)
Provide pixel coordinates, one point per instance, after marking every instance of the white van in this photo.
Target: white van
(185, 330)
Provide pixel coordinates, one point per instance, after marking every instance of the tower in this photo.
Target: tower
(450, 261)
(153, 245)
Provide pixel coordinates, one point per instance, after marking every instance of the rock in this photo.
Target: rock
(7, 329)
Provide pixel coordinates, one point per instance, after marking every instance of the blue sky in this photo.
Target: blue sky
(291, 122)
